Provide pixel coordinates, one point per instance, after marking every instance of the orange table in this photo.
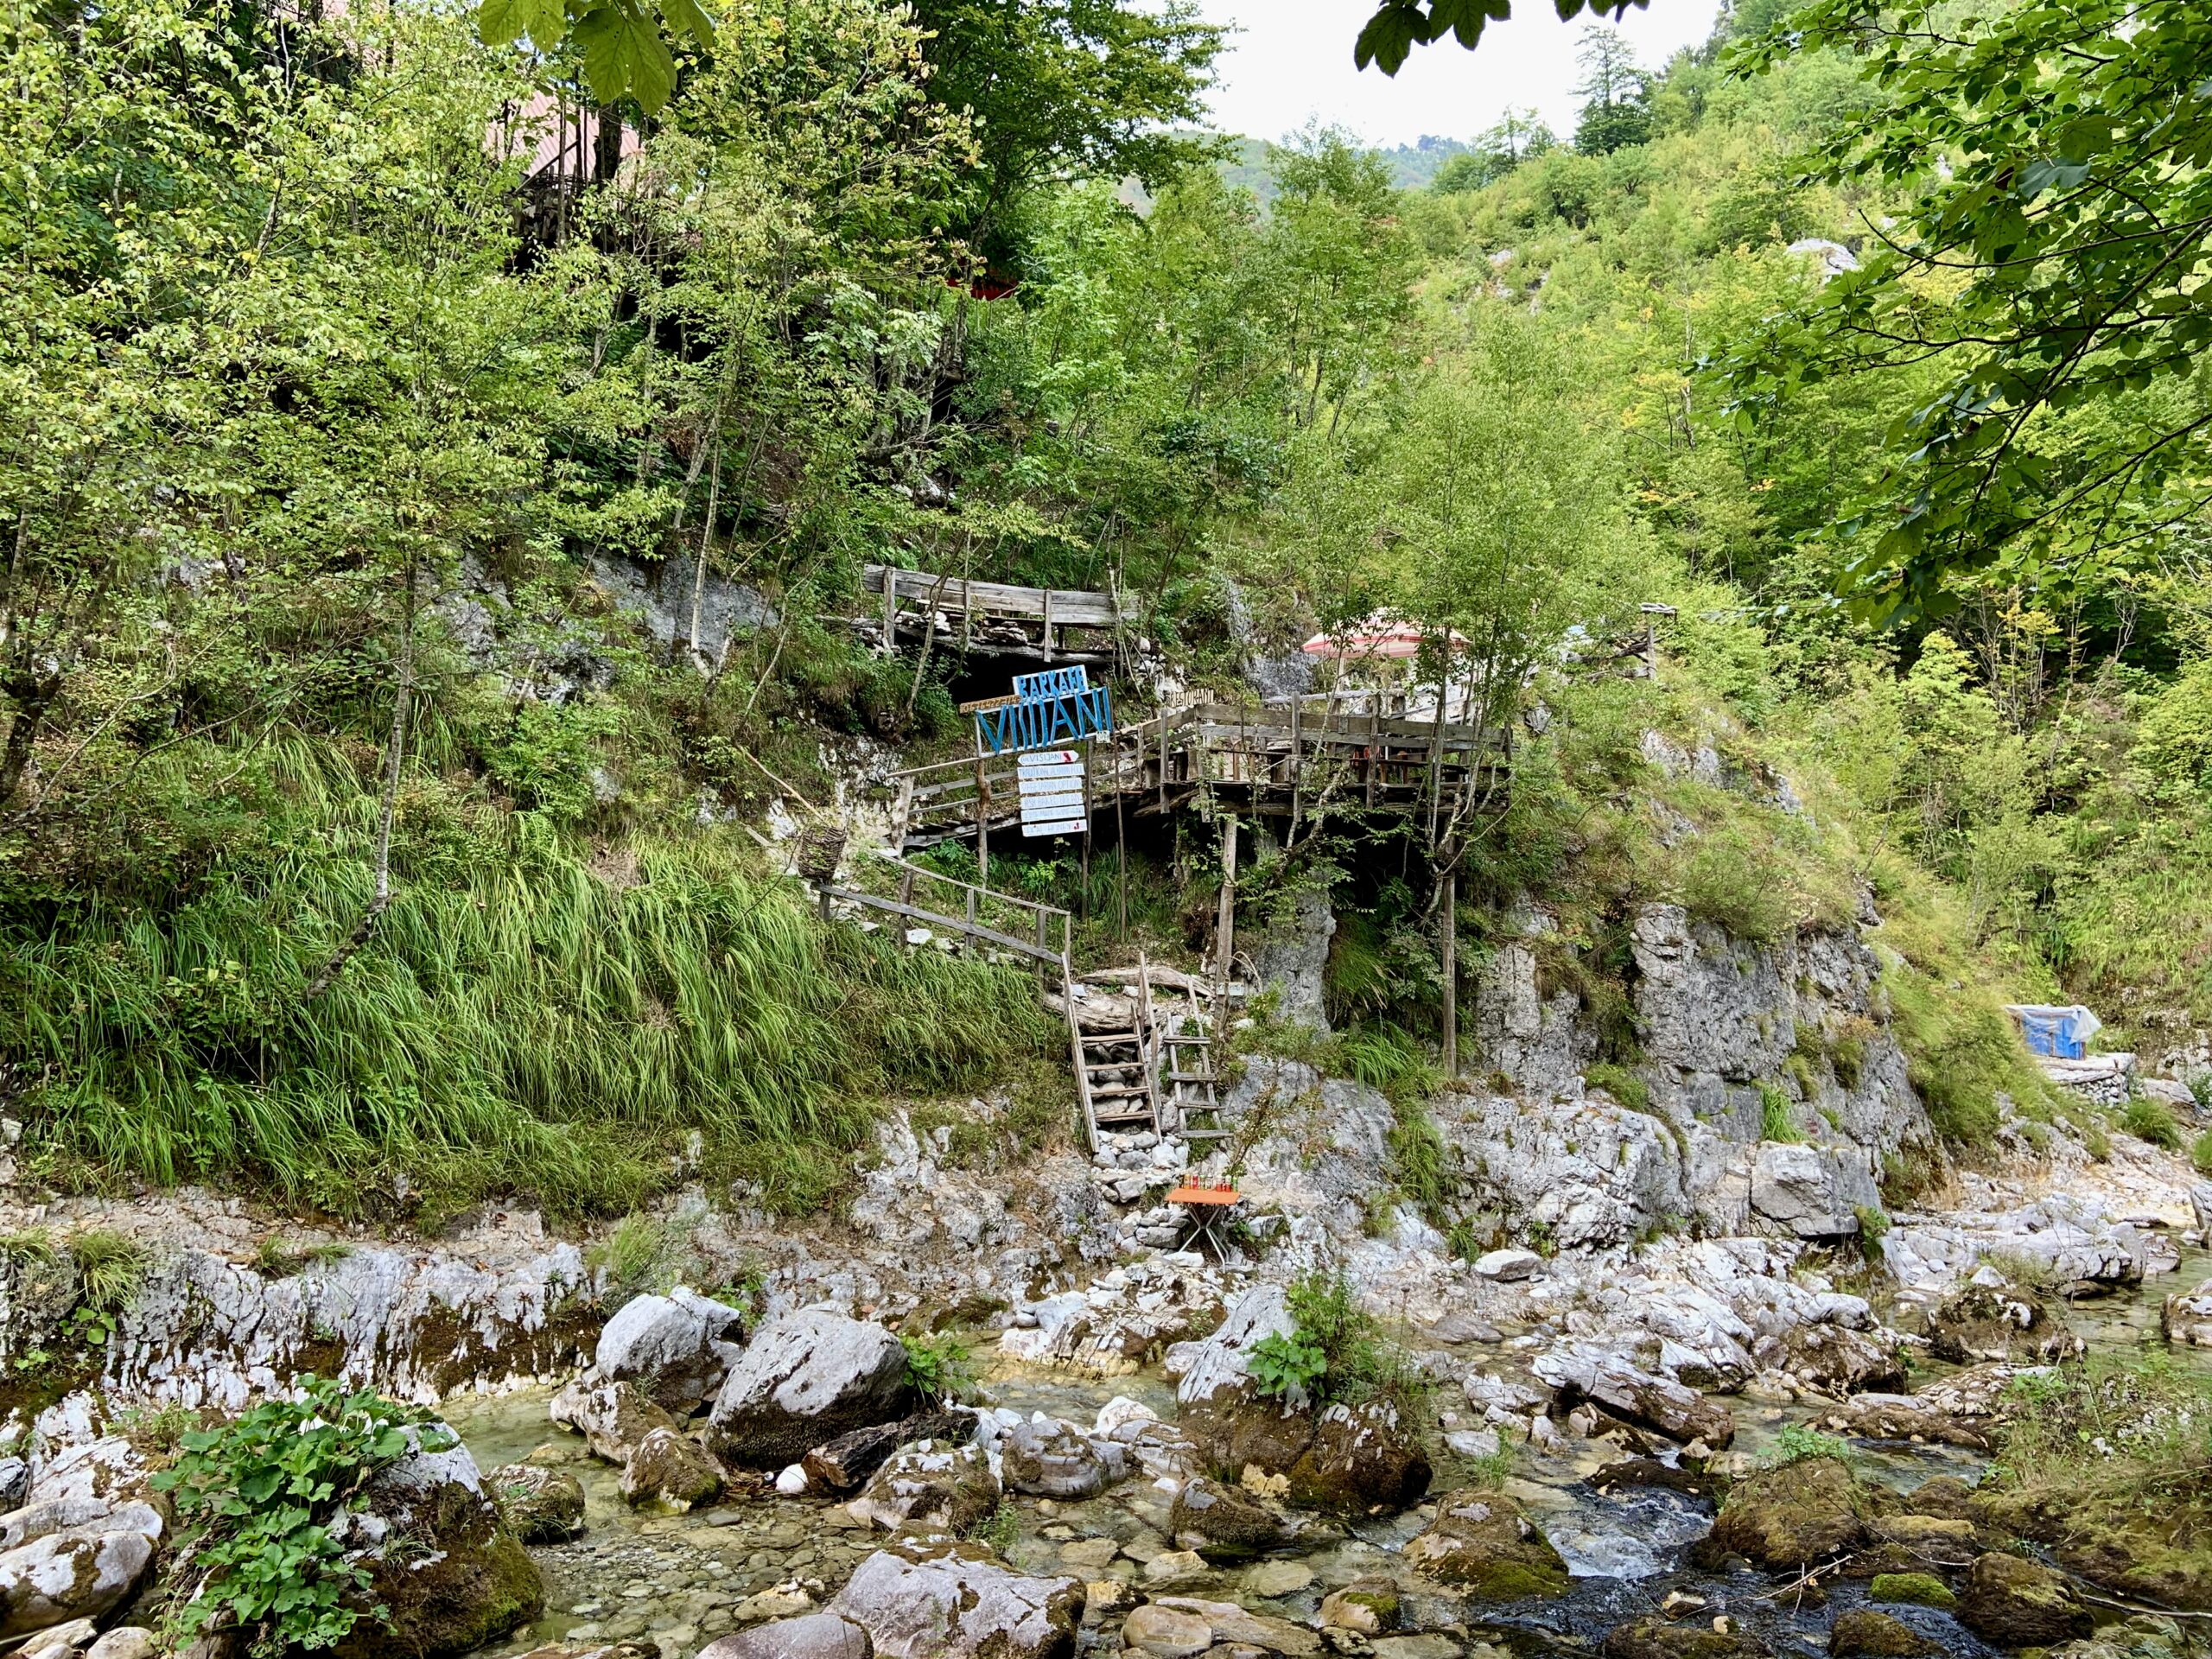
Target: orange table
(1207, 1208)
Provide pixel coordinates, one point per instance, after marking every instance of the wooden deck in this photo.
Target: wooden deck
(995, 618)
(1278, 761)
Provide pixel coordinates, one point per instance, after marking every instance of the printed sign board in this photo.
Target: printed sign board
(1052, 683)
(1061, 718)
(1050, 782)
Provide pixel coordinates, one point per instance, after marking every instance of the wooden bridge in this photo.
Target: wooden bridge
(1277, 760)
(994, 617)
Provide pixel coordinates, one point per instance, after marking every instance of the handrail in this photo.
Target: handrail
(973, 930)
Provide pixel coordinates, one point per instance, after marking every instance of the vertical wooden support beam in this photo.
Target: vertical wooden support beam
(1225, 915)
(1163, 762)
(1089, 748)
(1122, 854)
(1048, 625)
(982, 817)
(1041, 945)
(890, 612)
(1452, 975)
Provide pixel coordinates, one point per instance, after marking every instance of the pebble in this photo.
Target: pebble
(1272, 1578)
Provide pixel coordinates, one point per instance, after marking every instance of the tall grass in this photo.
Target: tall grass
(518, 1025)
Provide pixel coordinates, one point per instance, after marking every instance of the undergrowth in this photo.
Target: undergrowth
(518, 1023)
(1334, 1353)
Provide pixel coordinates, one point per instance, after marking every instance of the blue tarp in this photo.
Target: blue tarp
(2063, 1033)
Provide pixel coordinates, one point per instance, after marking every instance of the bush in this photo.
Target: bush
(2152, 1121)
(258, 1496)
(2200, 1153)
(1795, 1443)
(1334, 1352)
(937, 1368)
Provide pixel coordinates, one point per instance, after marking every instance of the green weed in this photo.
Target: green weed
(937, 1368)
(1795, 1443)
(1778, 1118)
(2152, 1121)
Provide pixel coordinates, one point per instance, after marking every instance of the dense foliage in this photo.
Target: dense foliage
(354, 841)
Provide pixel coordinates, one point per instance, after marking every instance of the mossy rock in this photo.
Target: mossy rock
(2016, 1603)
(1998, 1322)
(1345, 1460)
(2120, 1542)
(1485, 1544)
(1862, 1633)
(1662, 1638)
(468, 1583)
(1226, 1523)
(1783, 1519)
(1914, 1589)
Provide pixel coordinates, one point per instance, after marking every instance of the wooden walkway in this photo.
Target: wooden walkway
(1278, 761)
(995, 618)
(1142, 1061)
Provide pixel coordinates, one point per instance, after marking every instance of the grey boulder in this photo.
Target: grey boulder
(811, 1636)
(805, 1379)
(82, 1573)
(674, 1348)
(954, 1608)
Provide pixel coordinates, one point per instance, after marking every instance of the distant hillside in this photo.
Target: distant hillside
(1412, 166)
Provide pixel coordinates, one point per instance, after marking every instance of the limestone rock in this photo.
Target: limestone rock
(1998, 1322)
(812, 1636)
(1233, 1626)
(844, 1465)
(2186, 1317)
(1812, 1192)
(1056, 1459)
(1834, 1359)
(82, 1573)
(1226, 1523)
(462, 1578)
(612, 1417)
(2017, 1603)
(805, 1379)
(1165, 1633)
(1785, 1519)
(1485, 1543)
(674, 1348)
(1655, 1402)
(954, 1607)
(543, 1506)
(123, 1642)
(109, 1468)
(1367, 1605)
(932, 1487)
(670, 1468)
(1509, 1266)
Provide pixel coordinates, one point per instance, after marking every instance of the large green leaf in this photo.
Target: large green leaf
(624, 56)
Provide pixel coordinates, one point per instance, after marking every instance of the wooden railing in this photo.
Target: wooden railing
(1005, 921)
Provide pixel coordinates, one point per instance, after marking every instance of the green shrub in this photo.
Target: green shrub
(1623, 1084)
(2200, 1153)
(937, 1368)
(1777, 1119)
(1334, 1352)
(1795, 1443)
(1420, 1165)
(2152, 1121)
(258, 1496)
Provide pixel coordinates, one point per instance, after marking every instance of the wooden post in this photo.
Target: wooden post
(1089, 747)
(982, 816)
(1163, 762)
(1225, 918)
(1048, 625)
(1122, 852)
(890, 611)
(1041, 945)
(1452, 975)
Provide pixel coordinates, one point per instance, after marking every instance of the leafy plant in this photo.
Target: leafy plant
(1334, 1351)
(2200, 1153)
(2152, 1121)
(1777, 1122)
(260, 1496)
(938, 1367)
(1795, 1443)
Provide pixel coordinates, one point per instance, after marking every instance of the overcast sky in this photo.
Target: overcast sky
(1291, 59)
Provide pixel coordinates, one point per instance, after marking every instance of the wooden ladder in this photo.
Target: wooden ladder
(1116, 1071)
(1192, 1077)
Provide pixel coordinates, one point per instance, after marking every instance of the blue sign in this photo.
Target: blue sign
(1046, 724)
(1052, 683)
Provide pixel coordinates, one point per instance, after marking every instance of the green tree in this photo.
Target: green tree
(1616, 111)
(2049, 164)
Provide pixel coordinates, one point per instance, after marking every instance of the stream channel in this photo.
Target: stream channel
(678, 1581)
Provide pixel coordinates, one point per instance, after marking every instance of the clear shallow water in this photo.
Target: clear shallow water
(678, 1581)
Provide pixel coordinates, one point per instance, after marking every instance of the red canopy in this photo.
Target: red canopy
(1378, 635)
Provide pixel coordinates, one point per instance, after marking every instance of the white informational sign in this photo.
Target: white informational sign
(1051, 781)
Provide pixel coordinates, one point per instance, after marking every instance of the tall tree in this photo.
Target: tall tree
(2050, 162)
(1616, 111)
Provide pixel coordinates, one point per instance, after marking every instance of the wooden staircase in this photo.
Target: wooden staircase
(1155, 1071)
(1192, 1074)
